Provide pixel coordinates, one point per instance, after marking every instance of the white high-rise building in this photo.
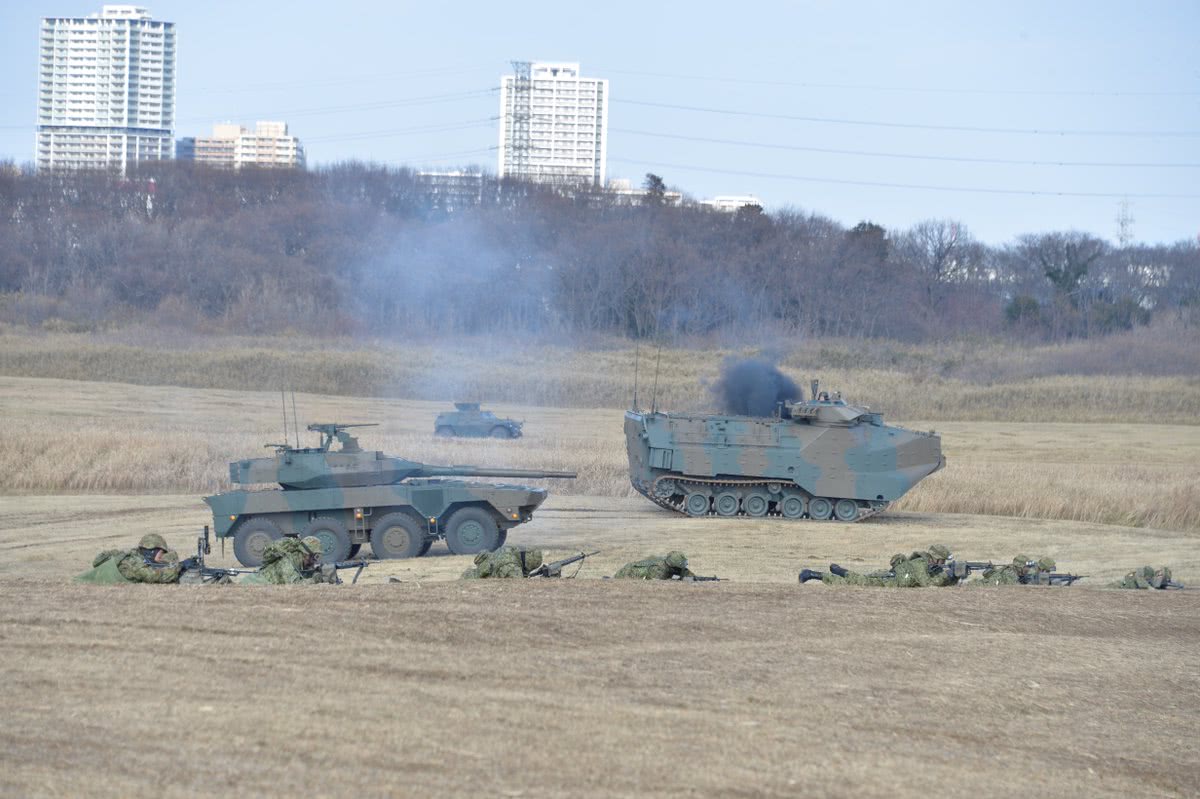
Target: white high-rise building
(553, 125)
(106, 90)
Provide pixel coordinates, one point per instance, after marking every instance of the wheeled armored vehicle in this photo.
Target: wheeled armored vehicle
(350, 496)
(820, 459)
(469, 421)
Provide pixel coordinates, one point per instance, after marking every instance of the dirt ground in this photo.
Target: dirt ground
(756, 686)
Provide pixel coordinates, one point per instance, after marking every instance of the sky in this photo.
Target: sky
(1009, 117)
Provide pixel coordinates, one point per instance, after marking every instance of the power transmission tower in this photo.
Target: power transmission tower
(519, 142)
(1125, 222)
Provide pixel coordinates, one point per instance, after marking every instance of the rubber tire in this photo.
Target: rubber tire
(688, 503)
(411, 546)
(793, 499)
(488, 539)
(444, 432)
(503, 537)
(333, 535)
(841, 510)
(748, 504)
(500, 431)
(820, 508)
(726, 496)
(242, 536)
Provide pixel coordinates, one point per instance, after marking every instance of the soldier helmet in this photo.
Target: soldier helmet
(312, 544)
(1161, 577)
(939, 552)
(1021, 561)
(482, 556)
(676, 560)
(1046, 564)
(898, 558)
(152, 541)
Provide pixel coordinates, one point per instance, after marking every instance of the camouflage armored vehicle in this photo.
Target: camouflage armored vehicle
(820, 459)
(349, 497)
(469, 420)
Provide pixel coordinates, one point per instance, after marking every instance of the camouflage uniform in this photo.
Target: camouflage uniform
(1022, 569)
(1145, 577)
(673, 564)
(139, 565)
(918, 570)
(506, 562)
(289, 561)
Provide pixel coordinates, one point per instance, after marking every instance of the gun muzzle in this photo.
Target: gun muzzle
(838, 570)
(809, 574)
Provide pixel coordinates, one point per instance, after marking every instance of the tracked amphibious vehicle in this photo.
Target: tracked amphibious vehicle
(350, 496)
(819, 459)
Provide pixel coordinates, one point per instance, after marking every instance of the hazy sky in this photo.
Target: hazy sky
(1008, 116)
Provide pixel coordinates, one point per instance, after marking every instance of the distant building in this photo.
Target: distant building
(622, 191)
(233, 146)
(731, 203)
(451, 191)
(553, 125)
(106, 90)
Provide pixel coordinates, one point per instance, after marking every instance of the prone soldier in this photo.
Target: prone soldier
(151, 561)
(918, 570)
(506, 562)
(288, 561)
(1148, 577)
(673, 564)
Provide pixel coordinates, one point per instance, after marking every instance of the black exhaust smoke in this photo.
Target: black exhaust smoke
(752, 387)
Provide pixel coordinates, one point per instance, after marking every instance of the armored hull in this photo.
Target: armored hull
(467, 420)
(817, 460)
(350, 497)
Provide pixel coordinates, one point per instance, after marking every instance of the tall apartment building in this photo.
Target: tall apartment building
(233, 146)
(106, 90)
(554, 125)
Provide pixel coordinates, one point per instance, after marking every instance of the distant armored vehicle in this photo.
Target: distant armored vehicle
(350, 496)
(469, 420)
(819, 459)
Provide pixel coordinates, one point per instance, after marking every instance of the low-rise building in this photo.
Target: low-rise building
(230, 145)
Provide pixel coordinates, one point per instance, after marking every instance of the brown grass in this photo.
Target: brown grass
(70, 437)
(981, 383)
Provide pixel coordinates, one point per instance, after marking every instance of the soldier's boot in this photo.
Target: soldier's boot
(838, 570)
(809, 574)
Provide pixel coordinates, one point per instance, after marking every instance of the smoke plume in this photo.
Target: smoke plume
(752, 387)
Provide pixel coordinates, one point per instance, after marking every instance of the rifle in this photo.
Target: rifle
(555, 569)
(695, 578)
(1051, 578)
(962, 568)
(208, 574)
(357, 565)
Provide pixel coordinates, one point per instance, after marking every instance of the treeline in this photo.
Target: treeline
(371, 251)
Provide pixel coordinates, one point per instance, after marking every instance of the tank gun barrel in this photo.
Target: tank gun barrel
(476, 471)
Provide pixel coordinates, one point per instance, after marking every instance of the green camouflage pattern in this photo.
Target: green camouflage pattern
(673, 564)
(337, 495)
(1022, 569)
(285, 562)
(818, 459)
(505, 563)
(1145, 577)
(468, 420)
(115, 566)
(922, 569)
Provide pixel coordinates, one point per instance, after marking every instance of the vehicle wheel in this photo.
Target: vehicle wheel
(397, 535)
(500, 432)
(444, 431)
(727, 503)
(696, 504)
(425, 547)
(354, 548)
(846, 510)
(503, 537)
(664, 489)
(756, 505)
(471, 530)
(335, 541)
(792, 507)
(820, 508)
(252, 537)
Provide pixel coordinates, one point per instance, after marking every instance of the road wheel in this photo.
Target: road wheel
(696, 504)
(756, 504)
(444, 431)
(792, 506)
(727, 503)
(846, 510)
(471, 530)
(252, 537)
(335, 541)
(397, 535)
(820, 508)
(500, 432)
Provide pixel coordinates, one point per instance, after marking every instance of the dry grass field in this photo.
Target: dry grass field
(754, 686)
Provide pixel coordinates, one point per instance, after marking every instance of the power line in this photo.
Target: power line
(910, 125)
(426, 100)
(881, 184)
(449, 126)
(873, 154)
(909, 89)
(359, 78)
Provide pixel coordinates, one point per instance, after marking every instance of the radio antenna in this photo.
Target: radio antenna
(295, 420)
(654, 397)
(636, 352)
(283, 403)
